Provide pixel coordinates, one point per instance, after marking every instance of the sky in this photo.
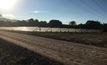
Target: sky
(63, 10)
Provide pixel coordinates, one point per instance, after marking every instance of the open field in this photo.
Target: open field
(11, 54)
(68, 53)
(96, 39)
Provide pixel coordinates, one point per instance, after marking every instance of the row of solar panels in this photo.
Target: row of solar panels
(48, 29)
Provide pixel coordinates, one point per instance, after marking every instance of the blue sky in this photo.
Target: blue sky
(64, 10)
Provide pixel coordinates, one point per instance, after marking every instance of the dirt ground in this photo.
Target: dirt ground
(11, 54)
(69, 53)
(96, 39)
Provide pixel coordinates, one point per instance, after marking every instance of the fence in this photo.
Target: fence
(48, 29)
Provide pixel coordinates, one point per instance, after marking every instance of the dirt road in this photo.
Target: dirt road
(62, 51)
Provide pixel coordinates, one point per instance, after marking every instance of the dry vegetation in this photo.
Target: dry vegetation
(96, 39)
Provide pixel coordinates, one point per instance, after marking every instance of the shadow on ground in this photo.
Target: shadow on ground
(11, 54)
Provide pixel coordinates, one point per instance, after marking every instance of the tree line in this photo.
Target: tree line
(90, 24)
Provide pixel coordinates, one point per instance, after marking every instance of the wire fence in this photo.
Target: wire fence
(49, 29)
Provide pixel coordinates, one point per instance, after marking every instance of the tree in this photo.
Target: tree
(80, 26)
(73, 23)
(105, 27)
(20, 23)
(43, 23)
(91, 24)
(32, 22)
(36, 22)
(2, 23)
(55, 23)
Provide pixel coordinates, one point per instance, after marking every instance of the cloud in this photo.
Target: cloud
(10, 16)
(36, 12)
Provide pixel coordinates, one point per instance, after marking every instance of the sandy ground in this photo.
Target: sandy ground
(68, 53)
(11, 54)
(95, 39)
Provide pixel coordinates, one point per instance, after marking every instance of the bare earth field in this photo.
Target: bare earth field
(11, 54)
(68, 53)
(95, 39)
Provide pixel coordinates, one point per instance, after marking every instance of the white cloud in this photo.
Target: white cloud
(39, 12)
(10, 16)
(36, 12)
